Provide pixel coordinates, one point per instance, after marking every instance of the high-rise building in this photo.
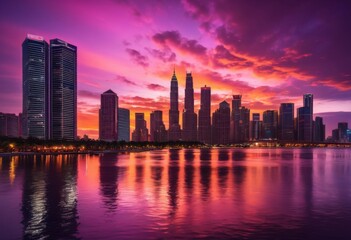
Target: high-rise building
(63, 94)
(204, 132)
(123, 124)
(108, 116)
(221, 124)
(286, 122)
(141, 133)
(342, 128)
(235, 119)
(157, 128)
(256, 127)
(35, 68)
(270, 124)
(174, 131)
(318, 130)
(9, 124)
(189, 132)
(244, 124)
(305, 119)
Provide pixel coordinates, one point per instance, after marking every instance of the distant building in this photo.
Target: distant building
(286, 122)
(318, 130)
(204, 131)
(235, 119)
(256, 127)
(158, 131)
(141, 133)
(342, 128)
(305, 119)
(35, 87)
(108, 116)
(221, 124)
(9, 125)
(244, 124)
(189, 132)
(270, 124)
(63, 94)
(123, 124)
(174, 131)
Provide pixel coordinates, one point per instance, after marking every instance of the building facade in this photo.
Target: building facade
(221, 124)
(305, 119)
(141, 133)
(108, 116)
(63, 86)
(235, 119)
(256, 127)
(35, 87)
(9, 125)
(189, 132)
(204, 130)
(123, 123)
(270, 124)
(318, 130)
(158, 131)
(286, 122)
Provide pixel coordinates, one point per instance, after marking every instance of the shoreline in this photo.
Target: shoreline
(97, 152)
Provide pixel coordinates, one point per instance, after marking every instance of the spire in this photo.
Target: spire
(174, 77)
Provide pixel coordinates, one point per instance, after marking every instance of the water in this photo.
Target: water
(167, 194)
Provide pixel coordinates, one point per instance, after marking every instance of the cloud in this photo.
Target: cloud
(137, 57)
(123, 79)
(165, 55)
(156, 87)
(175, 40)
(88, 94)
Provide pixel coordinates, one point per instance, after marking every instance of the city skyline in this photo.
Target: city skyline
(280, 65)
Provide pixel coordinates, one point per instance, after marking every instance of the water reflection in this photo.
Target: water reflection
(49, 199)
(109, 180)
(190, 193)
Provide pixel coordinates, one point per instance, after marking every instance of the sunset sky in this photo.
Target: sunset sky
(268, 51)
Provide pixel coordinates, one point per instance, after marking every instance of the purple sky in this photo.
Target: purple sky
(269, 51)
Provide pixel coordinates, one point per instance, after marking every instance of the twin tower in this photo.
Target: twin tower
(190, 130)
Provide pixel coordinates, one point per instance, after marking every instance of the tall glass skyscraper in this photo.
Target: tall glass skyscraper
(174, 132)
(63, 85)
(305, 119)
(189, 116)
(204, 132)
(35, 65)
(286, 122)
(123, 124)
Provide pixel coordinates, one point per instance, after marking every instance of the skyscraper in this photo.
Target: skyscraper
(9, 125)
(318, 130)
(141, 133)
(35, 68)
(221, 124)
(235, 119)
(256, 127)
(305, 119)
(204, 132)
(270, 124)
(286, 122)
(123, 124)
(108, 116)
(244, 124)
(174, 130)
(189, 116)
(343, 127)
(63, 85)
(157, 128)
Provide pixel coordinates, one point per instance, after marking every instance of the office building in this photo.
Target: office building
(204, 130)
(244, 124)
(235, 119)
(189, 132)
(108, 116)
(9, 125)
(286, 122)
(221, 124)
(318, 130)
(158, 131)
(35, 87)
(123, 124)
(270, 124)
(256, 127)
(305, 119)
(141, 133)
(63, 86)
